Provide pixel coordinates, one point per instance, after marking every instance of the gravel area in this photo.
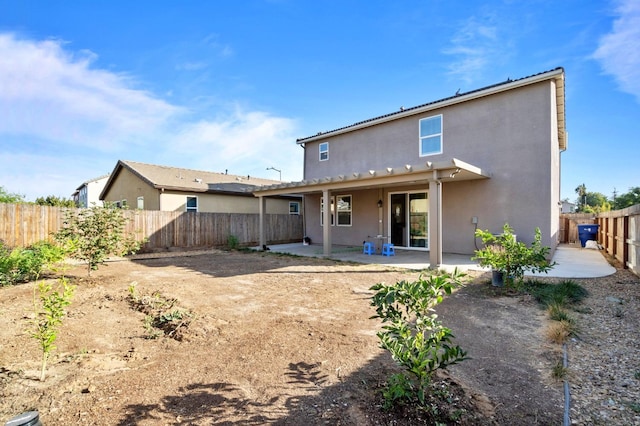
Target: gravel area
(604, 359)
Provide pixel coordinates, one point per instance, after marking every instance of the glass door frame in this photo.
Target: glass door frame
(407, 218)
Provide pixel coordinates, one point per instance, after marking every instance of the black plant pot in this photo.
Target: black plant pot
(497, 278)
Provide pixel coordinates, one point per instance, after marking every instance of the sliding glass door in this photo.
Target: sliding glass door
(409, 219)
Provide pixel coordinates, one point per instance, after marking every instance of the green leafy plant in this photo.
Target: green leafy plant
(417, 341)
(564, 293)
(512, 258)
(232, 242)
(26, 264)
(161, 318)
(49, 304)
(93, 234)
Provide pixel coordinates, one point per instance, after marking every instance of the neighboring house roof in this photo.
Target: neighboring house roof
(188, 180)
(556, 74)
(87, 182)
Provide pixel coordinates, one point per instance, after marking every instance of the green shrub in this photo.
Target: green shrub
(564, 293)
(417, 341)
(93, 234)
(232, 242)
(513, 258)
(49, 304)
(26, 264)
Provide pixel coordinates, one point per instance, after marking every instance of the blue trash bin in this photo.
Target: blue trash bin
(587, 232)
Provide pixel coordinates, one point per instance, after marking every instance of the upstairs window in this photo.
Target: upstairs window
(431, 135)
(192, 204)
(140, 203)
(324, 151)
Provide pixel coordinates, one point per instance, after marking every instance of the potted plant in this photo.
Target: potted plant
(508, 258)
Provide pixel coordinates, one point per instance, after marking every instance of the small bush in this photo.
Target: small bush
(417, 341)
(26, 264)
(232, 242)
(564, 293)
(558, 313)
(559, 331)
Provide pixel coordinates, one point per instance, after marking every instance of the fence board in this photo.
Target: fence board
(25, 224)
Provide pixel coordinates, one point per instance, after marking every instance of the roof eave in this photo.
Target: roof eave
(557, 74)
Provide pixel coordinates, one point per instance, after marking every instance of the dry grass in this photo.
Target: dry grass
(559, 331)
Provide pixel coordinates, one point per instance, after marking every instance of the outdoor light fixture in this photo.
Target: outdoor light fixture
(372, 172)
(379, 203)
(429, 164)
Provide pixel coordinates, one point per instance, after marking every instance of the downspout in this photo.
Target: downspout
(304, 196)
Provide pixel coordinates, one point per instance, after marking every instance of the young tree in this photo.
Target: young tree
(9, 197)
(94, 234)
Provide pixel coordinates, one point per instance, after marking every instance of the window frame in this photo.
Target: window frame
(348, 211)
(422, 138)
(324, 151)
(296, 210)
(140, 203)
(191, 209)
(332, 211)
(336, 212)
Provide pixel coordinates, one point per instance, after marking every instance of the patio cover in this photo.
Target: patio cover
(431, 173)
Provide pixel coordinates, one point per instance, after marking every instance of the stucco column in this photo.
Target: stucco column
(326, 220)
(435, 223)
(262, 201)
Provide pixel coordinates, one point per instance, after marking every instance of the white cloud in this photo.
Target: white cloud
(64, 121)
(244, 141)
(52, 94)
(474, 47)
(619, 51)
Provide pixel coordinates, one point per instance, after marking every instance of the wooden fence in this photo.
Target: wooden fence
(25, 224)
(618, 233)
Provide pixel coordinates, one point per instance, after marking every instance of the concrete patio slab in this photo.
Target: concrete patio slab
(571, 261)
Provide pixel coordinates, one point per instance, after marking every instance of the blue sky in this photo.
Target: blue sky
(218, 86)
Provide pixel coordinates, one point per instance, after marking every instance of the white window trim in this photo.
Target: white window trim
(321, 151)
(334, 211)
(297, 204)
(140, 203)
(186, 205)
(350, 211)
(333, 222)
(441, 134)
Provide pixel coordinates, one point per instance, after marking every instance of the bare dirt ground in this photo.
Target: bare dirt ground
(272, 340)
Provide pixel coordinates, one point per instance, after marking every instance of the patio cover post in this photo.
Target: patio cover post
(263, 210)
(435, 223)
(326, 220)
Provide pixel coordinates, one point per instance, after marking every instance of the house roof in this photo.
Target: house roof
(87, 182)
(556, 74)
(188, 180)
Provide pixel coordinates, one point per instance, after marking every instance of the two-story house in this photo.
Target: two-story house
(88, 194)
(425, 178)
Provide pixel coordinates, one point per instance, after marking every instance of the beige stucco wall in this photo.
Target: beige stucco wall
(219, 203)
(511, 135)
(127, 186)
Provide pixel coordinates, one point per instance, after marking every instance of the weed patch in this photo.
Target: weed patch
(162, 316)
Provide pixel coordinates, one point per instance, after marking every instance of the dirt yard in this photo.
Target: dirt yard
(271, 339)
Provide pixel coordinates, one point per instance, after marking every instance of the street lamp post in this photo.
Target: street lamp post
(276, 170)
